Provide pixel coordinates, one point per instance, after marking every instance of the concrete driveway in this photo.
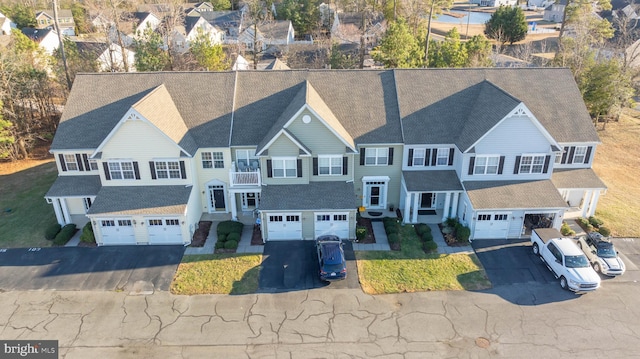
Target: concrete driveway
(119, 268)
(509, 261)
(293, 265)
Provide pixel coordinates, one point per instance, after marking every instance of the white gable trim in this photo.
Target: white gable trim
(314, 113)
(133, 115)
(520, 110)
(289, 136)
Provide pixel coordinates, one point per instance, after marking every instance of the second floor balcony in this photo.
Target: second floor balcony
(245, 176)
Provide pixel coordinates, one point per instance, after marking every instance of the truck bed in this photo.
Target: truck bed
(545, 234)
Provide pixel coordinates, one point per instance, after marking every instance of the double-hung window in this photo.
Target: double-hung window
(531, 164)
(443, 157)
(486, 165)
(212, 160)
(376, 156)
(284, 167)
(167, 169)
(121, 170)
(71, 162)
(581, 152)
(329, 165)
(418, 156)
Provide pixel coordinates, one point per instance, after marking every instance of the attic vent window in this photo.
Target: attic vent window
(306, 118)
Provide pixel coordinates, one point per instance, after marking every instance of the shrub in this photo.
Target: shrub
(222, 238)
(361, 232)
(422, 228)
(219, 245)
(596, 222)
(233, 237)
(65, 235)
(51, 231)
(589, 227)
(463, 233)
(427, 237)
(447, 230)
(451, 222)
(566, 230)
(87, 235)
(430, 246)
(604, 231)
(227, 227)
(230, 244)
(393, 238)
(582, 221)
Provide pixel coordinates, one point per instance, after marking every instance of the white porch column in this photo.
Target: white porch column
(407, 208)
(56, 208)
(234, 210)
(414, 204)
(447, 203)
(65, 211)
(593, 202)
(585, 203)
(454, 204)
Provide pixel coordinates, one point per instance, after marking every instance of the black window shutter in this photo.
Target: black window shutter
(183, 170)
(572, 152)
(427, 156)
(345, 165)
(410, 161)
(390, 156)
(136, 170)
(299, 167)
(501, 165)
(85, 158)
(451, 152)
(587, 155)
(547, 159)
(472, 162)
(564, 155)
(269, 169)
(152, 167)
(107, 174)
(434, 156)
(516, 168)
(62, 163)
(79, 160)
(362, 157)
(315, 166)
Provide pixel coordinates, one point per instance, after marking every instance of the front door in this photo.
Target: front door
(216, 197)
(375, 194)
(427, 200)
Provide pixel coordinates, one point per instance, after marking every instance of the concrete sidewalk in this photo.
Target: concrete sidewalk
(244, 246)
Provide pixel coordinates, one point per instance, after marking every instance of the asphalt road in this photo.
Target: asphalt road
(119, 268)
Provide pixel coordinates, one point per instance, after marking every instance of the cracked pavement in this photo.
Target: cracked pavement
(522, 320)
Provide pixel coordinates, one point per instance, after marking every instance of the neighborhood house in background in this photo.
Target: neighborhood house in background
(145, 158)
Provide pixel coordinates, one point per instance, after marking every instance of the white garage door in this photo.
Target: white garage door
(492, 225)
(283, 226)
(164, 231)
(116, 231)
(332, 223)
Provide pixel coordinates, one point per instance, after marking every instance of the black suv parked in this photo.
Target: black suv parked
(331, 258)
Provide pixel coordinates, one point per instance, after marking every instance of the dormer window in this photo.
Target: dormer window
(531, 164)
(579, 156)
(70, 161)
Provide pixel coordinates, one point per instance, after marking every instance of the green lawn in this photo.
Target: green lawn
(217, 274)
(25, 213)
(411, 270)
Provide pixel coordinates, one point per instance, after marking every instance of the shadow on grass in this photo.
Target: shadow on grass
(248, 284)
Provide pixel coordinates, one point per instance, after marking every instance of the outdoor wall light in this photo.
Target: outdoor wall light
(134, 221)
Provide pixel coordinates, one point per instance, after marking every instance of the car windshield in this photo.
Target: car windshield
(606, 250)
(576, 261)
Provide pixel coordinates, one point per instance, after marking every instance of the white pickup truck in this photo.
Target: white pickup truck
(565, 260)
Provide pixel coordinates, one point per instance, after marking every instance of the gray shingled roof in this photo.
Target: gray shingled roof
(277, 65)
(130, 200)
(434, 101)
(312, 196)
(75, 186)
(431, 181)
(513, 194)
(577, 178)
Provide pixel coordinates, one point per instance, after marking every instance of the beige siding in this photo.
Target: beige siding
(394, 172)
(193, 215)
(75, 205)
(205, 175)
(316, 136)
(283, 146)
(128, 144)
(86, 171)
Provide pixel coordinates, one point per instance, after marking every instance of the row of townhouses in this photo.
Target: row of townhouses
(145, 156)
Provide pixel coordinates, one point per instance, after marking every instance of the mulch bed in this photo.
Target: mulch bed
(256, 237)
(201, 234)
(450, 239)
(370, 237)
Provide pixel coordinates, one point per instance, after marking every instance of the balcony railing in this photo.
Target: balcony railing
(251, 178)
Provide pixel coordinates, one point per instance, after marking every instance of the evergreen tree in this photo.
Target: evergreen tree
(150, 55)
(507, 24)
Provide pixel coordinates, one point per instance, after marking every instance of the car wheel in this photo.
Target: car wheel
(596, 267)
(536, 249)
(563, 283)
